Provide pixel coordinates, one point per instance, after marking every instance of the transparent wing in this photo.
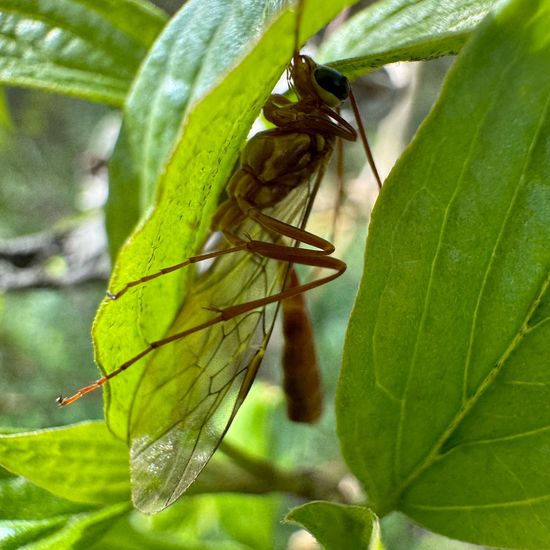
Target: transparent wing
(192, 388)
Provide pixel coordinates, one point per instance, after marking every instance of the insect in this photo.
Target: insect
(269, 200)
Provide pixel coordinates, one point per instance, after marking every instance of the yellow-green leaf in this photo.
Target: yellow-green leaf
(82, 462)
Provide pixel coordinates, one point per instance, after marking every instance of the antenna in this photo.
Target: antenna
(363, 136)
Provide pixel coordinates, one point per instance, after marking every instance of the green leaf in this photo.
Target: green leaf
(197, 47)
(82, 462)
(337, 526)
(402, 30)
(202, 158)
(80, 530)
(22, 500)
(443, 401)
(75, 531)
(85, 48)
(200, 45)
(31, 517)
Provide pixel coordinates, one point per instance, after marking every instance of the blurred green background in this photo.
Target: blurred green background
(44, 332)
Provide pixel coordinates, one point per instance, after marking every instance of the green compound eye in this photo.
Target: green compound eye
(330, 82)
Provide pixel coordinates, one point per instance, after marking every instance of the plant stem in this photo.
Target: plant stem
(246, 473)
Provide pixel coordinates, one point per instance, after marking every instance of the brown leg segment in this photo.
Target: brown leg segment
(175, 267)
(313, 258)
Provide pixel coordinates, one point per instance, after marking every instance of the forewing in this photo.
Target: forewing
(192, 388)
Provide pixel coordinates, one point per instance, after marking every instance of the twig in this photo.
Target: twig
(56, 258)
(248, 474)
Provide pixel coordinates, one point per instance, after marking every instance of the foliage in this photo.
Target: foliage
(460, 385)
(89, 49)
(441, 406)
(335, 525)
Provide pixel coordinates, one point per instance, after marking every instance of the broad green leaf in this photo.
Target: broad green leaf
(443, 401)
(203, 156)
(337, 526)
(31, 517)
(82, 462)
(402, 30)
(85, 48)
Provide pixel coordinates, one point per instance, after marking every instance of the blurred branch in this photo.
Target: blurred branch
(60, 257)
(251, 475)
